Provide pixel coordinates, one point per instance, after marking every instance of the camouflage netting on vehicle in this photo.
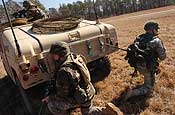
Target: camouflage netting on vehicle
(53, 25)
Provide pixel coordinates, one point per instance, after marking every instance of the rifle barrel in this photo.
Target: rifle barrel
(116, 47)
(122, 49)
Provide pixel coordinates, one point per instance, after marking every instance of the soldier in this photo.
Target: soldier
(31, 11)
(72, 87)
(144, 55)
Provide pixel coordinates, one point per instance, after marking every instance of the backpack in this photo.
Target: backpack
(80, 61)
(83, 95)
(138, 52)
(133, 56)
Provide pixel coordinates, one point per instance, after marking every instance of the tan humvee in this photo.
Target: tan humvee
(93, 40)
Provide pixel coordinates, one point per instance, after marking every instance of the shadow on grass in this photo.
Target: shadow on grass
(133, 106)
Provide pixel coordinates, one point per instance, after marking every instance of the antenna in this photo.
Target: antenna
(11, 26)
(25, 99)
(96, 16)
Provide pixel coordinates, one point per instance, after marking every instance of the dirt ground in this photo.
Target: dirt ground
(162, 101)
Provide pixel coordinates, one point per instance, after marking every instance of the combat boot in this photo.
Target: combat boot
(123, 97)
(112, 110)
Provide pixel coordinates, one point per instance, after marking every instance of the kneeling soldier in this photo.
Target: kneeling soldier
(144, 55)
(73, 87)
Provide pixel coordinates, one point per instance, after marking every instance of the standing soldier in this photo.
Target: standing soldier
(72, 85)
(144, 55)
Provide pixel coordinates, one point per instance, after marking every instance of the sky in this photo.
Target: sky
(56, 3)
(50, 3)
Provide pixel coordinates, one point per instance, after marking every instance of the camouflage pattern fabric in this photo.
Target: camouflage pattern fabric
(34, 14)
(153, 46)
(89, 109)
(86, 108)
(147, 87)
(61, 106)
(31, 11)
(148, 68)
(71, 89)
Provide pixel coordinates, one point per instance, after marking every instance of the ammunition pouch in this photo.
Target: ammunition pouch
(84, 95)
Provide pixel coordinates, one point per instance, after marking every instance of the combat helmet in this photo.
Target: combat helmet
(60, 48)
(151, 26)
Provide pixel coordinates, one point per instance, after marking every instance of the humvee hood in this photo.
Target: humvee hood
(90, 39)
(28, 40)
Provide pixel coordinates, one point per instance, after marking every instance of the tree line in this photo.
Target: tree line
(88, 8)
(38, 3)
(106, 8)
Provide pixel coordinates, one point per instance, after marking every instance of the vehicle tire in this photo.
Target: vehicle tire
(99, 69)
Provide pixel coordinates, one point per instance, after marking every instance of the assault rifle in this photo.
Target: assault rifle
(116, 47)
(123, 49)
(126, 57)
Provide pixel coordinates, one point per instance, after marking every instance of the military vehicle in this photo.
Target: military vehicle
(24, 53)
(33, 66)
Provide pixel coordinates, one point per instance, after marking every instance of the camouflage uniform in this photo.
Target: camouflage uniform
(155, 51)
(32, 11)
(71, 89)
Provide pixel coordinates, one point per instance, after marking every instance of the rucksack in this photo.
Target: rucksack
(79, 93)
(133, 56)
(80, 61)
(139, 52)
